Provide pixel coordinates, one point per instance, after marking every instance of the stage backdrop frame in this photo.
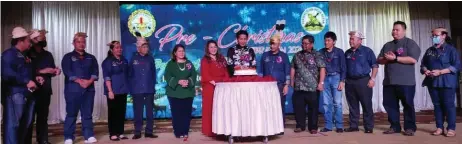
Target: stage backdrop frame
(192, 24)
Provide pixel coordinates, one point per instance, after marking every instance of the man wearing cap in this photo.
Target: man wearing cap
(360, 61)
(399, 57)
(81, 71)
(43, 65)
(142, 77)
(18, 83)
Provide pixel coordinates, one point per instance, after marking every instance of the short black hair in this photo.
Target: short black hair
(16, 40)
(242, 32)
(310, 38)
(403, 24)
(331, 35)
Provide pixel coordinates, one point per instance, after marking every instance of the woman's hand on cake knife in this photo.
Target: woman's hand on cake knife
(212, 82)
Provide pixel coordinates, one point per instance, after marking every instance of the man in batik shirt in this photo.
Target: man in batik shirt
(307, 78)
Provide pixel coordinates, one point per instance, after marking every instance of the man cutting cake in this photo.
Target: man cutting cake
(241, 58)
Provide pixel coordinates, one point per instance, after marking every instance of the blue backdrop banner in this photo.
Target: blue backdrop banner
(194, 24)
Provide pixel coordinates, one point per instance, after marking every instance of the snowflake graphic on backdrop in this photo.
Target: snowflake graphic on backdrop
(181, 8)
(202, 5)
(296, 15)
(245, 14)
(263, 12)
(282, 11)
(233, 5)
(250, 30)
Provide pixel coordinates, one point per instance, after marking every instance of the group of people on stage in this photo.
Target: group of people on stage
(329, 71)
(27, 69)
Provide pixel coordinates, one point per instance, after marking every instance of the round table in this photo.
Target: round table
(247, 109)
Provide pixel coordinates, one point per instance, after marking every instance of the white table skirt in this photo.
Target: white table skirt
(247, 109)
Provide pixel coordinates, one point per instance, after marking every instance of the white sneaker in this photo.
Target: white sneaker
(68, 141)
(91, 140)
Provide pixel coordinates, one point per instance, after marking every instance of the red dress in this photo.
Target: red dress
(211, 70)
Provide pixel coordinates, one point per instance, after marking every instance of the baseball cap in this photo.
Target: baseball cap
(357, 34)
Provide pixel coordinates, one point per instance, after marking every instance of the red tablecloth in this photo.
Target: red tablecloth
(248, 79)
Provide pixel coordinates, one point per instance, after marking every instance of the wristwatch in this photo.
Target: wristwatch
(396, 59)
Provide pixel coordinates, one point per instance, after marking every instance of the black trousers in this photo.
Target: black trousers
(116, 114)
(39, 117)
(300, 99)
(283, 102)
(181, 115)
(392, 94)
(357, 91)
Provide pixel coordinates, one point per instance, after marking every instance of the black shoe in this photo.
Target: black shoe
(325, 130)
(339, 130)
(351, 129)
(369, 131)
(150, 136)
(409, 132)
(297, 130)
(313, 131)
(136, 136)
(44, 142)
(391, 131)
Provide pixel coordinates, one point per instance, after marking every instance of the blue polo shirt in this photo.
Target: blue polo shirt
(335, 62)
(359, 62)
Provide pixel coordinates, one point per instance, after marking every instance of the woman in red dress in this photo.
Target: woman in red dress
(213, 68)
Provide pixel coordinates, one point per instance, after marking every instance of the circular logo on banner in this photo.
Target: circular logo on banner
(313, 20)
(142, 21)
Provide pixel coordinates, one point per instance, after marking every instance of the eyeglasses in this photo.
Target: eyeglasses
(434, 36)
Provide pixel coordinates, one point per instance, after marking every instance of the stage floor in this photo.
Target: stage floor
(163, 128)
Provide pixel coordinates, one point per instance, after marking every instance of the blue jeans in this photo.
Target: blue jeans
(18, 118)
(332, 102)
(443, 102)
(76, 101)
